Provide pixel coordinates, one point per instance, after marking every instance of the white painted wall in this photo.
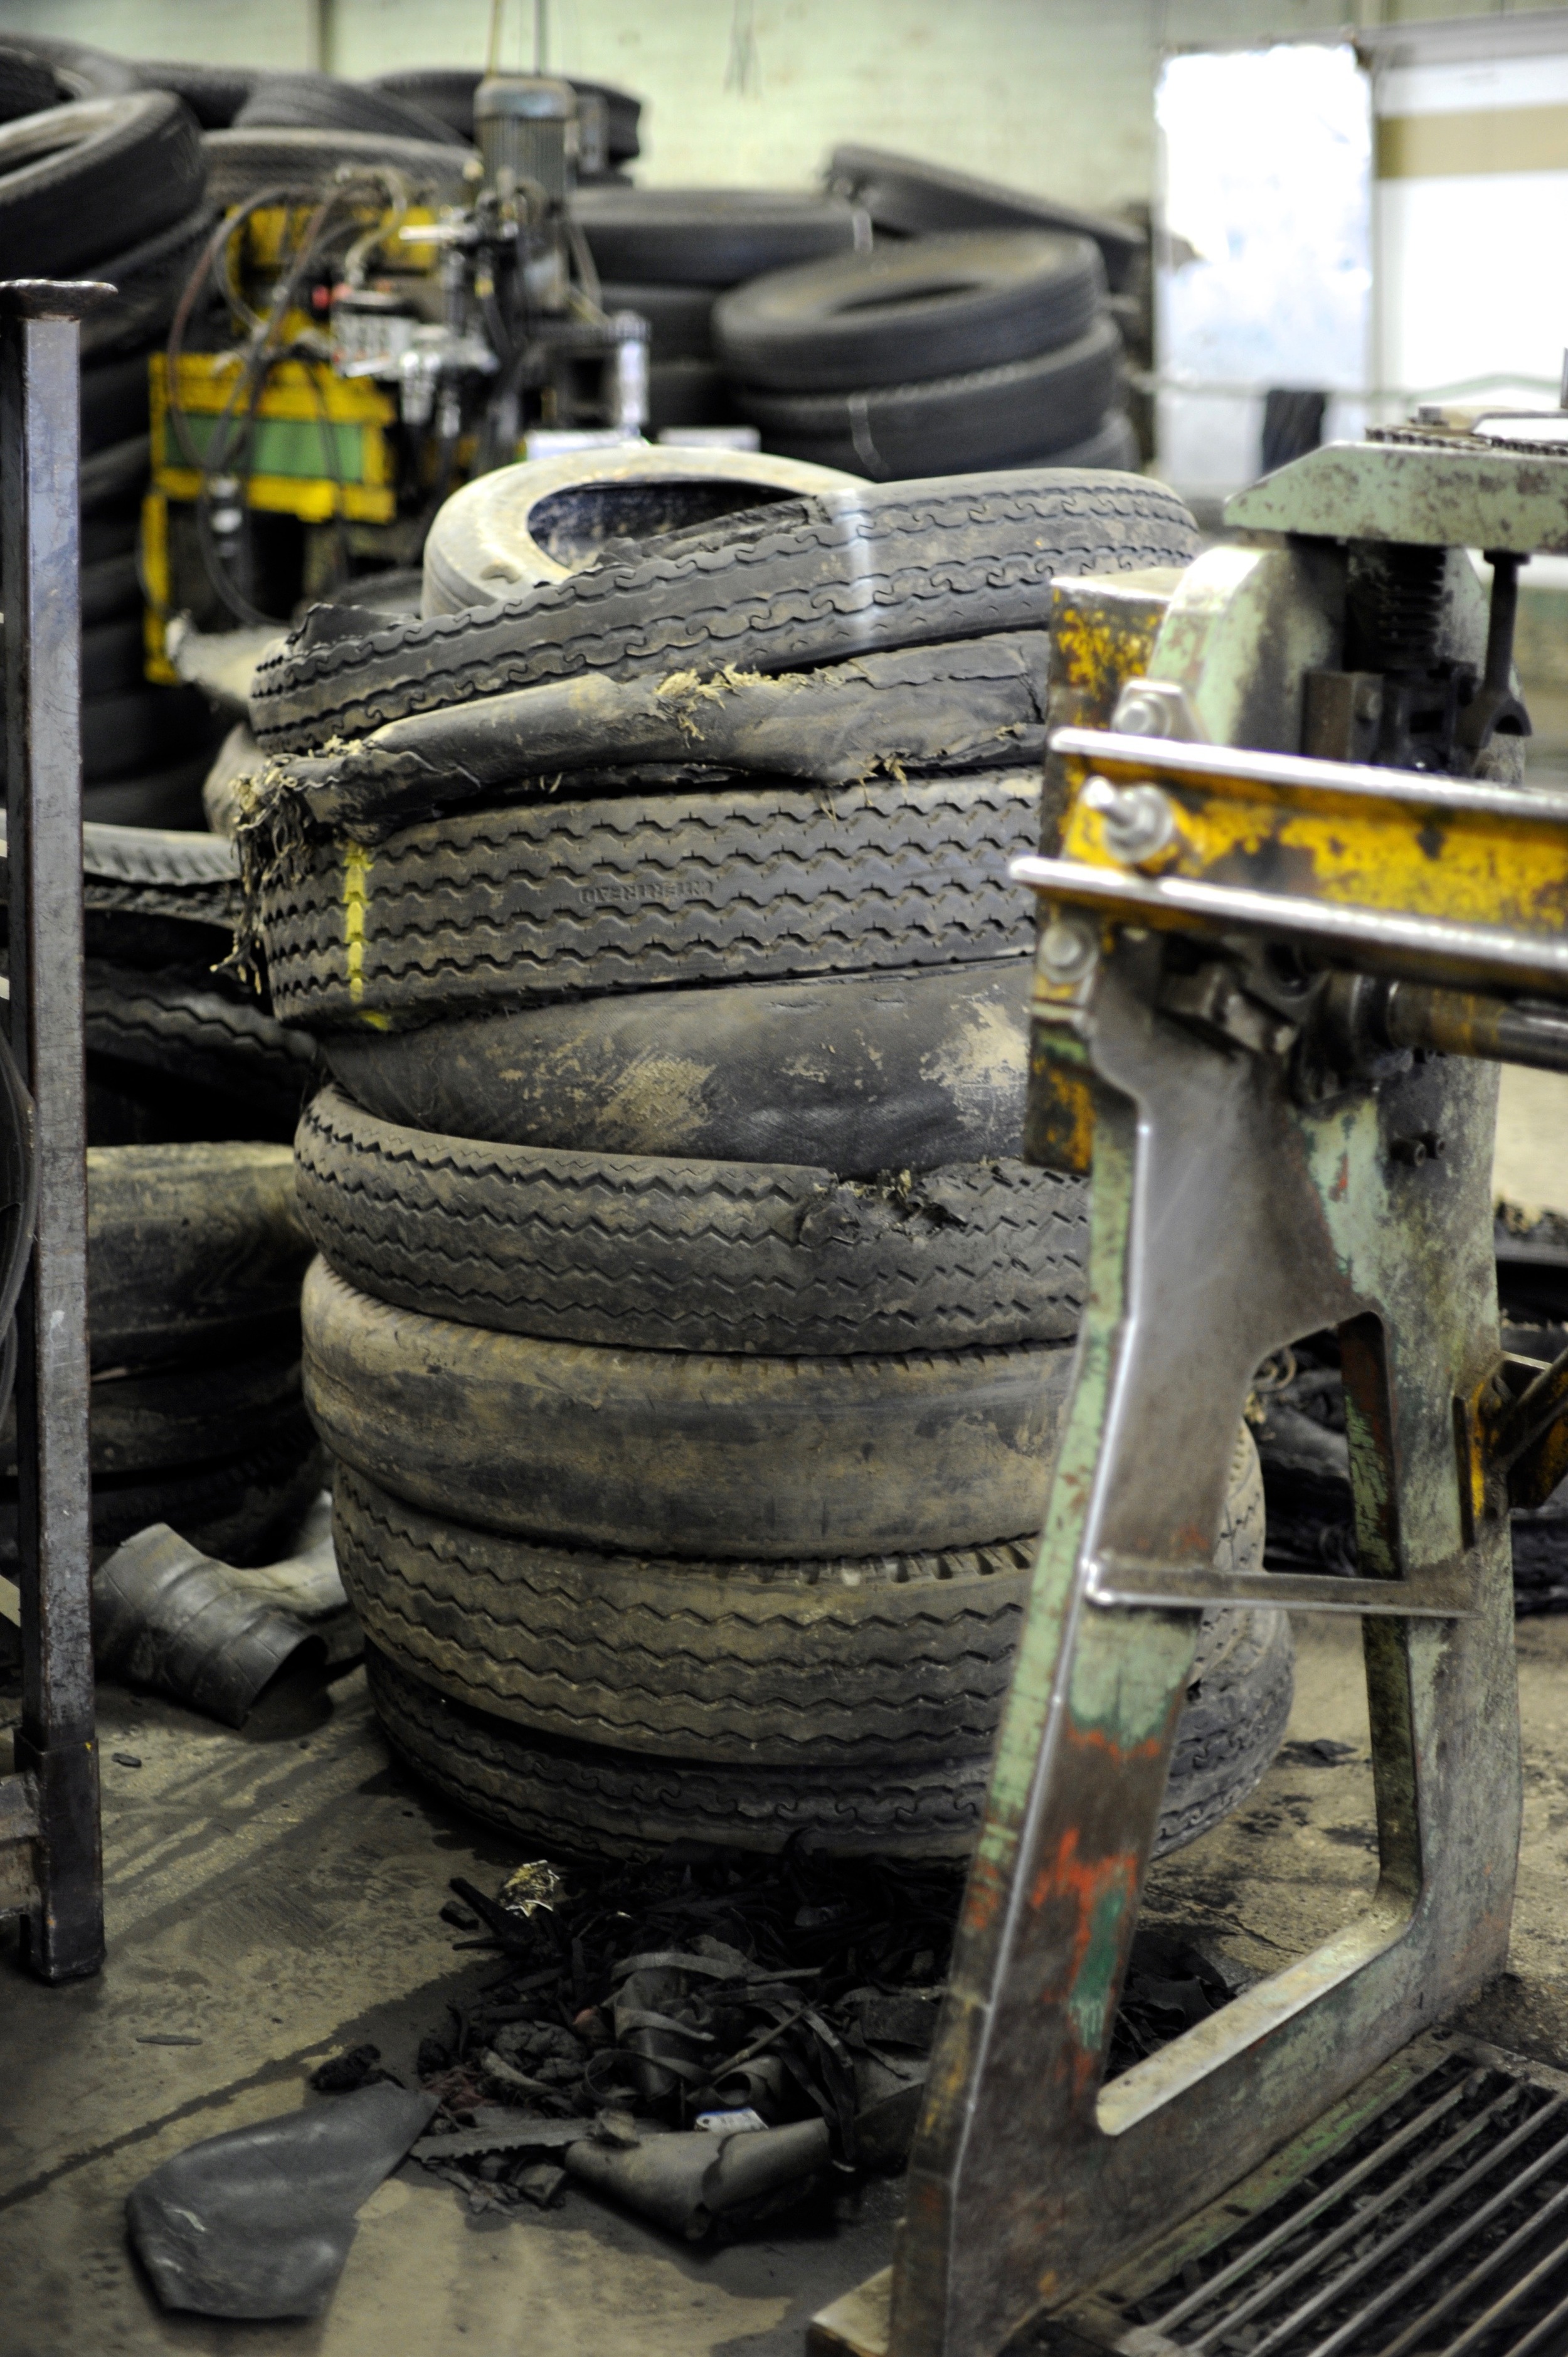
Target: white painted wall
(1056, 95)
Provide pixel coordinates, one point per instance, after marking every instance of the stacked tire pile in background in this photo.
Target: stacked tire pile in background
(688, 1335)
(670, 254)
(112, 186)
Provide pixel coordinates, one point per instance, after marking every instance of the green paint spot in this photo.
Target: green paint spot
(1089, 2004)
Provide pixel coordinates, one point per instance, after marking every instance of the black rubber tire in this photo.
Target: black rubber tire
(110, 589)
(902, 1660)
(681, 317)
(28, 83)
(156, 801)
(521, 526)
(932, 307)
(242, 1509)
(113, 400)
(1113, 446)
(659, 1255)
(213, 93)
(150, 278)
(114, 655)
(157, 1421)
(108, 170)
(326, 101)
(81, 72)
(688, 393)
(246, 161)
(857, 1075)
(914, 199)
(549, 900)
(683, 1452)
(194, 1251)
(588, 1801)
(194, 1032)
(141, 730)
(184, 875)
(115, 474)
(840, 574)
(987, 419)
(709, 237)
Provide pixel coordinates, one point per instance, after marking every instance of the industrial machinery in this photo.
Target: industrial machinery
(342, 360)
(1295, 899)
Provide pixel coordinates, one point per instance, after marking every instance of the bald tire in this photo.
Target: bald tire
(683, 1452)
(897, 1661)
(194, 1251)
(683, 1255)
(813, 581)
(593, 1803)
(854, 1074)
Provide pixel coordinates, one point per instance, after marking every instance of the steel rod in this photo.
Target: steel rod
(40, 561)
(1407, 2339)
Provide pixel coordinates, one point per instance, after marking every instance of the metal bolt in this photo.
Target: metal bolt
(1068, 949)
(1139, 714)
(1138, 821)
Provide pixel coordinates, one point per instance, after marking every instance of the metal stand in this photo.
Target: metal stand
(51, 1804)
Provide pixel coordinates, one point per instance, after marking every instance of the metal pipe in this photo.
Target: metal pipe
(40, 558)
(1468, 1023)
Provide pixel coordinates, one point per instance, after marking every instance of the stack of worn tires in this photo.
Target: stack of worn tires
(669, 254)
(688, 1335)
(993, 348)
(112, 185)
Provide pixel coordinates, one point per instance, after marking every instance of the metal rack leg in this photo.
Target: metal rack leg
(57, 1752)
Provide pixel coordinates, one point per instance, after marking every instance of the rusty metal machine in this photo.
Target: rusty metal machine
(1296, 900)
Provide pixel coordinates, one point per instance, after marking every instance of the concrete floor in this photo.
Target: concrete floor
(273, 1895)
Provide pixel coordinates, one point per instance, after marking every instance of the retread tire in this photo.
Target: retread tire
(194, 1251)
(521, 526)
(840, 574)
(593, 1802)
(663, 1255)
(903, 1659)
(989, 417)
(561, 899)
(937, 307)
(683, 1452)
(69, 178)
(858, 1073)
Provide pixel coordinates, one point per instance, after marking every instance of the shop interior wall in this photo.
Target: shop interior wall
(1052, 94)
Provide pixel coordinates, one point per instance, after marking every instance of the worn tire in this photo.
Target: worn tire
(855, 1074)
(213, 93)
(245, 161)
(243, 1509)
(149, 278)
(114, 399)
(1113, 446)
(326, 101)
(916, 199)
(191, 1031)
(518, 527)
(935, 307)
(140, 730)
(840, 575)
(592, 1802)
(82, 71)
(649, 1253)
(709, 237)
(71, 179)
(194, 1251)
(561, 899)
(174, 1418)
(988, 418)
(679, 319)
(683, 1452)
(899, 1661)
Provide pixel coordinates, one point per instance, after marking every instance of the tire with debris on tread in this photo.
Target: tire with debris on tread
(561, 899)
(856, 1073)
(936, 307)
(665, 1255)
(837, 576)
(683, 1452)
(519, 526)
(986, 418)
(593, 1802)
(901, 1659)
(194, 1251)
(71, 179)
(246, 161)
(186, 1027)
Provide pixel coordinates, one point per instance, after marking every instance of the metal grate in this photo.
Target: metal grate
(1438, 2229)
